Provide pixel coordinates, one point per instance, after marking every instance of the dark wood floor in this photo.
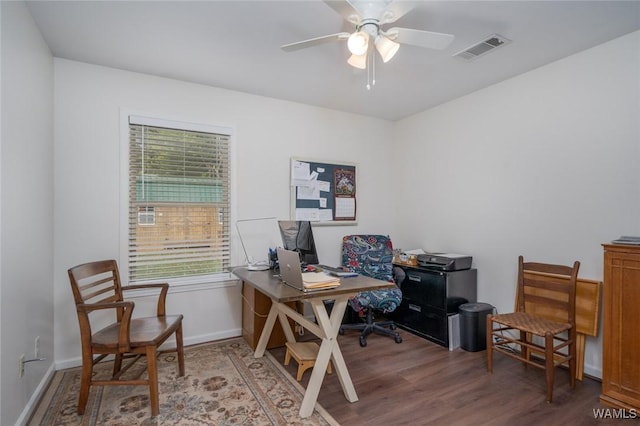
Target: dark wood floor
(419, 382)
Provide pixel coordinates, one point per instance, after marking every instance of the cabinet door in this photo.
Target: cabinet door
(621, 316)
(425, 288)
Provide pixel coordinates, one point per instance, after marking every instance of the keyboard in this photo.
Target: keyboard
(337, 271)
(330, 268)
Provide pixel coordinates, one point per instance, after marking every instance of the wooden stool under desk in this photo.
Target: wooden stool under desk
(305, 354)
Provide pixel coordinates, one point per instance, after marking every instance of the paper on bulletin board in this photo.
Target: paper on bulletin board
(310, 214)
(302, 175)
(309, 192)
(326, 215)
(345, 208)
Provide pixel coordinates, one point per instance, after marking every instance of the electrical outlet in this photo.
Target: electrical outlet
(21, 367)
(36, 349)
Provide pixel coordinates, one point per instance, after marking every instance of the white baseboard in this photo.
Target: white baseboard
(32, 404)
(593, 371)
(211, 337)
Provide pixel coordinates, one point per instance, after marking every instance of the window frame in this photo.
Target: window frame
(149, 211)
(194, 283)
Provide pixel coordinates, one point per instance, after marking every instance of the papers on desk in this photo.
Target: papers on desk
(625, 239)
(319, 280)
(415, 251)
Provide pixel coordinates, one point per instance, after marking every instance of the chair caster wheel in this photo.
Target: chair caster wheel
(341, 331)
(398, 338)
(363, 342)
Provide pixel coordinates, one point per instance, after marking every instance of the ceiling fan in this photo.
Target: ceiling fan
(369, 17)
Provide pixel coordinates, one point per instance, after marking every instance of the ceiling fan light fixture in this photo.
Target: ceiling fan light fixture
(386, 47)
(358, 43)
(358, 61)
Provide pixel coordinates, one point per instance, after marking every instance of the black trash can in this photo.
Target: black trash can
(473, 326)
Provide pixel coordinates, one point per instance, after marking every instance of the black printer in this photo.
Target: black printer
(444, 261)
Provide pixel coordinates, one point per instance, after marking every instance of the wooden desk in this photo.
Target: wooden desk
(326, 328)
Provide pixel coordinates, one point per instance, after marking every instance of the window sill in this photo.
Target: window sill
(187, 285)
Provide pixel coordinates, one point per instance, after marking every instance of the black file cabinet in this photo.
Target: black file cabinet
(430, 296)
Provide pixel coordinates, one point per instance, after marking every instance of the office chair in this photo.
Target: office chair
(96, 287)
(544, 322)
(371, 255)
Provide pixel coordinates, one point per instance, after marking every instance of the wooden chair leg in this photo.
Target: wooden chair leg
(573, 362)
(117, 364)
(489, 344)
(549, 364)
(524, 350)
(180, 350)
(152, 372)
(85, 383)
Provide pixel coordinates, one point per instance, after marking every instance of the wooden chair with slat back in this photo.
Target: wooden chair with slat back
(545, 308)
(96, 287)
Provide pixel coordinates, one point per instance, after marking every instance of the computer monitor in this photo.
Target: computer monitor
(298, 236)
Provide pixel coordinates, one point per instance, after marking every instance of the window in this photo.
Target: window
(178, 185)
(146, 216)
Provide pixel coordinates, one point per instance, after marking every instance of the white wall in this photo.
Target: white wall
(544, 165)
(26, 227)
(88, 102)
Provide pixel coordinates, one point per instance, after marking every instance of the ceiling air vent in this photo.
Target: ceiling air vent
(482, 48)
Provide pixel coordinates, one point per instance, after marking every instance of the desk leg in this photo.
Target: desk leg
(284, 322)
(274, 312)
(266, 331)
(328, 349)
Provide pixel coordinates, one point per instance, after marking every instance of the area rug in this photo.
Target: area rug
(223, 385)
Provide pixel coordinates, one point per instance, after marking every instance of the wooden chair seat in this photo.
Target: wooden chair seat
(96, 288)
(531, 323)
(143, 332)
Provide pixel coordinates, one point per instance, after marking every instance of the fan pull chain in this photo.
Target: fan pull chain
(373, 66)
(368, 73)
(371, 69)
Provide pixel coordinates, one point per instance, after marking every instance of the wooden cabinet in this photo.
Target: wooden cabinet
(255, 308)
(621, 316)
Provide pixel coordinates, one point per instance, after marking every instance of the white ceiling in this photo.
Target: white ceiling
(236, 45)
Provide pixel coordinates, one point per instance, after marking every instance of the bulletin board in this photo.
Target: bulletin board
(323, 192)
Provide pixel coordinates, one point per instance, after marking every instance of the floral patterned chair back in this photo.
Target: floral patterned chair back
(369, 255)
(372, 255)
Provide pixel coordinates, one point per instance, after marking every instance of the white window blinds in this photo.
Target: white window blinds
(178, 201)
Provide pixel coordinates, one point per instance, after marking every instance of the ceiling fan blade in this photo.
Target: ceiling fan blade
(355, 11)
(420, 38)
(395, 10)
(345, 9)
(314, 42)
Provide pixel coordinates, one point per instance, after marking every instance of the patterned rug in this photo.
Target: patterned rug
(223, 385)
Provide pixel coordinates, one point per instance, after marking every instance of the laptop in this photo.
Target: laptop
(291, 274)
